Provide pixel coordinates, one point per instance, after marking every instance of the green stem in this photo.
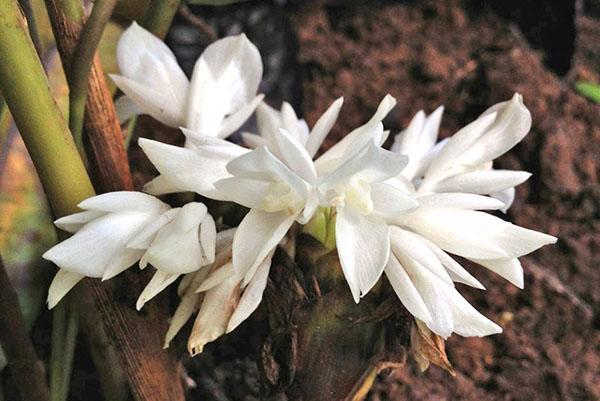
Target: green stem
(37, 115)
(159, 16)
(69, 347)
(57, 345)
(32, 24)
(81, 65)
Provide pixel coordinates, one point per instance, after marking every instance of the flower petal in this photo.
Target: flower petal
(73, 222)
(363, 245)
(252, 295)
(189, 169)
(509, 269)
(295, 156)
(216, 277)
(482, 182)
(97, 244)
(408, 245)
(473, 234)
(391, 202)
(450, 312)
(460, 201)
(257, 235)
(362, 134)
(124, 201)
(323, 126)
(62, 283)
(126, 108)
(225, 78)
(176, 247)
(234, 121)
(405, 290)
(159, 282)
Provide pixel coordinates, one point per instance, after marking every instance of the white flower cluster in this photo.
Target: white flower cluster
(400, 212)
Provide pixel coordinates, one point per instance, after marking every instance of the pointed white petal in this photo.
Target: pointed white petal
(73, 222)
(482, 182)
(460, 201)
(405, 290)
(253, 141)
(159, 282)
(407, 141)
(225, 78)
(252, 295)
(363, 247)
(295, 156)
(474, 234)
(260, 164)
(455, 270)
(152, 101)
(323, 126)
(216, 277)
(389, 201)
(257, 235)
(145, 236)
(94, 247)
(507, 197)
(269, 122)
(408, 245)
(62, 283)
(511, 125)
(121, 262)
(371, 164)
(450, 312)
(357, 138)
(456, 146)
(189, 169)
(234, 121)
(291, 123)
(509, 269)
(160, 185)
(244, 191)
(124, 201)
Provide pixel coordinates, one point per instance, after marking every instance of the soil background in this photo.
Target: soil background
(465, 55)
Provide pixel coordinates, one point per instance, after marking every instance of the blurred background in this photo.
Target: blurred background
(465, 55)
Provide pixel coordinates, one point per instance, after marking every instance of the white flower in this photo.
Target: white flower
(464, 162)
(363, 202)
(222, 300)
(450, 181)
(217, 101)
(119, 228)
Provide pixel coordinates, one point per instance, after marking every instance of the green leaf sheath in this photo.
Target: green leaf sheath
(25, 88)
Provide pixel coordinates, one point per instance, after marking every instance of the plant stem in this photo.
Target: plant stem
(59, 319)
(37, 116)
(103, 140)
(26, 370)
(159, 16)
(32, 24)
(81, 65)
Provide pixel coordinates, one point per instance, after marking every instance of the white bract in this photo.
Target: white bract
(449, 180)
(118, 229)
(217, 101)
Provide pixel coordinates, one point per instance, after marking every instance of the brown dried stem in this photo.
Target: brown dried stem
(25, 368)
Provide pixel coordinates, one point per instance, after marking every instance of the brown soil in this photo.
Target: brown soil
(465, 57)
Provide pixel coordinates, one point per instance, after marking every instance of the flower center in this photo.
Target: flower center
(281, 197)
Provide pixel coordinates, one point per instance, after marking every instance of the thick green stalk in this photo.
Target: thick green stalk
(25, 88)
(159, 16)
(81, 66)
